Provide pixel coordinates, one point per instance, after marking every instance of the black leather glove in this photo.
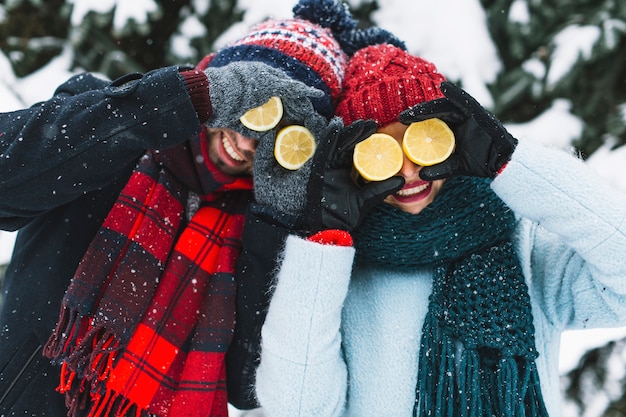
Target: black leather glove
(483, 145)
(334, 201)
(326, 197)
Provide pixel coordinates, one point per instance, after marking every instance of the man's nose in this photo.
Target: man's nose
(247, 144)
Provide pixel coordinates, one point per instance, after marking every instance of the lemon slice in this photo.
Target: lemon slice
(264, 117)
(428, 142)
(378, 157)
(294, 146)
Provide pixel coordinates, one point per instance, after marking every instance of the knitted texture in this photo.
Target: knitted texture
(313, 47)
(198, 88)
(304, 41)
(306, 51)
(478, 348)
(384, 80)
(240, 86)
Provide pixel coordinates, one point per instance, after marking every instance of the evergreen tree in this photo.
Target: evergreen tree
(33, 32)
(599, 381)
(594, 83)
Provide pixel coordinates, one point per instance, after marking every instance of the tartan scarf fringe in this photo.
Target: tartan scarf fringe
(114, 405)
(86, 353)
(86, 360)
(101, 401)
(110, 404)
(64, 335)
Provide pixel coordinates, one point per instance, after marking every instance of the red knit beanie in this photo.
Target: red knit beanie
(383, 80)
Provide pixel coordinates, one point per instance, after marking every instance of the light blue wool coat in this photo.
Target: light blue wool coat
(339, 341)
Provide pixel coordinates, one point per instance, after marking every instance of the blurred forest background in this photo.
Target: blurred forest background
(33, 32)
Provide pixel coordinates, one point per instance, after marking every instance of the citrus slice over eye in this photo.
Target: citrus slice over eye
(428, 142)
(378, 157)
(294, 146)
(264, 117)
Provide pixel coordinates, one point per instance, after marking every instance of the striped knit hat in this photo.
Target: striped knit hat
(383, 80)
(305, 49)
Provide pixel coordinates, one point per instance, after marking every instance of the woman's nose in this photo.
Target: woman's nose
(409, 168)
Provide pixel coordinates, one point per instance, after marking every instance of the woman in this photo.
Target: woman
(450, 297)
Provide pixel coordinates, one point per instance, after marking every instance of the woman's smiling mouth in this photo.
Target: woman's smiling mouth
(413, 192)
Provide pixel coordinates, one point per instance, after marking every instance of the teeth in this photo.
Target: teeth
(412, 191)
(230, 151)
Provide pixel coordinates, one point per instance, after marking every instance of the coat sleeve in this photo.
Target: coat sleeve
(574, 245)
(82, 137)
(262, 242)
(302, 370)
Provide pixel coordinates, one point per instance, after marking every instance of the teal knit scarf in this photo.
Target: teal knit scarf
(477, 355)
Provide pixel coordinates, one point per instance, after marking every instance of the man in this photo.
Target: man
(129, 199)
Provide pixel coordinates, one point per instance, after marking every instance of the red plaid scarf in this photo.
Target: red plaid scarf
(149, 315)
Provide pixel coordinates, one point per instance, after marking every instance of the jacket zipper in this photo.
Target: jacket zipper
(19, 375)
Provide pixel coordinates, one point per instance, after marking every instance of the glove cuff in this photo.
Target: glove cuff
(334, 237)
(198, 88)
(502, 168)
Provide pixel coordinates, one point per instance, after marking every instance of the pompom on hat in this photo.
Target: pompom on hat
(313, 47)
(383, 80)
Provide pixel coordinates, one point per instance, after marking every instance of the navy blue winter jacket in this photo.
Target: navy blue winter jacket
(62, 164)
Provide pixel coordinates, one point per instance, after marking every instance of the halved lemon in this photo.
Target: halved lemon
(428, 142)
(378, 157)
(294, 146)
(264, 117)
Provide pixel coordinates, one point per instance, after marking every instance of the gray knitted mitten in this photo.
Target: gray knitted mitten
(240, 86)
(280, 188)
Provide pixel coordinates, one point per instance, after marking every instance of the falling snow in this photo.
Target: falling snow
(434, 35)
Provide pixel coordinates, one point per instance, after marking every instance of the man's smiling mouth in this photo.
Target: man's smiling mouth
(230, 150)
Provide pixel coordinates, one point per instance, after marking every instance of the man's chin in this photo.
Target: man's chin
(233, 171)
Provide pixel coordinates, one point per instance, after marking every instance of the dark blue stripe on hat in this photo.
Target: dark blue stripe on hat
(291, 66)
